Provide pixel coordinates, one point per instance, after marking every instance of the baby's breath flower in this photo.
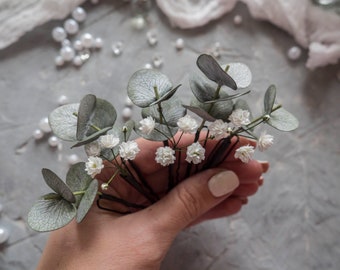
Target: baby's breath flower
(94, 166)
(195, 153)
(265, 141)
(187, 124)
(240, 117)
(165, 156)
(93, 149)
(108, 141)
(128, 150)
(147, 125)
(219, 129)
(244, 153)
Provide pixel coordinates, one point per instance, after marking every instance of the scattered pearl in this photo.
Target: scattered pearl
(73, 159)
(38, 134)
(59, 60)
(62, 100)
(4, 235)
(85, 55)
(66, 42)
(216, 50)
(67, 53)
(79, 14)
(138, 22)
(148, 66)
(87, 40)
(157, 61)
(53, 141)
(77, 61)
(98, 43)
(44, 125)
(126, 113)
(105, 186)
(58, 34)
(71, 26)
(294, 53)
(128, 102)
(152, 37)
(117, 48)
(77, 45)
(179, 44)
(238, 19)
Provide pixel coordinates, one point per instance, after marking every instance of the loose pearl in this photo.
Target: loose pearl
(73, 159)
(38, 134)
(127, 113)
(67, 53)
(66, 42)
(105, 186)
(98, 43)
(77, 45)
(179, 44)
(294, 53)
(59, 34)
(138, 22)
(62, 100)
(77, 61)
(238, 19)
(152, 38)
(79, 14)
(44, 125)
(157, 61)
(87, 40)
(71, 26)
(4, 235)
(148, 66)
(59, 60)
(117, 48)
(53, 141)
(128, 102)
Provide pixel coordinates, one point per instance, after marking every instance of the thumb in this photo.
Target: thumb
(191, 199)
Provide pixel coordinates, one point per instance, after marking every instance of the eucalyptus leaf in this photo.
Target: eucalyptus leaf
(166, 96)
(104, 115)
(87, 200)
(283, 120)
(63, 122)
(86, 108)
(57, 185)
(227, 97)
(160, 133)
(51, 214)
(240, 73)
(202, 88)
(200, 112)
(92, 137)
(269, 99)
(146, 86)
(209, 66)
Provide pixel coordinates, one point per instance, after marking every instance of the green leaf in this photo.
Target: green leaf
(166, 96)
(86, 108)
(50, 214)
(92, 137)
(200, 112)
(57, 185)
(87, 200)
(269, 99)
(240, 73)
(63, 122)
(283, 120)
(202, 88)
(160, 133)
(104, 115)
(225, 98)
(147, 86)
(209, 66)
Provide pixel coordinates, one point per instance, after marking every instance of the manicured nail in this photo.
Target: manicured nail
(223, 183)
(260, 181)
(265, 165)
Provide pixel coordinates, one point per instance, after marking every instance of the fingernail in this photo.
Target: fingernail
(264, 164)
(260, 181)
(223, 183)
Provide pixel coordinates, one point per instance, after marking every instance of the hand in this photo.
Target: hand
(141, 240)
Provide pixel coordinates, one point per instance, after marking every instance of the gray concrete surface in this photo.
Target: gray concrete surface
(291, 223)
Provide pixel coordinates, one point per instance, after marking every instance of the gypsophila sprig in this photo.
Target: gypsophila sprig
(179, 136)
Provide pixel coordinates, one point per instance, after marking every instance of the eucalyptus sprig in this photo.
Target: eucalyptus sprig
(215, 113)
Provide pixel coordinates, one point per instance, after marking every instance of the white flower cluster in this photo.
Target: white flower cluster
(165, 156)
(239, 117)
(147, 125)
(265, 141)
(187, 124)
(245, 153)
(195, 153)
(219, 129)
(94, 166)
(128, 150)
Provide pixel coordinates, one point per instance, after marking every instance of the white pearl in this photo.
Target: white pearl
(4, 235)
(38, 134)
(79, 14)
(138, 22)
(87, 40)
(117, 48)
(105, 186)
(53, 141)
(98, 43)
(59, 60)
(157, 61)
(238, 19)
(44, 125)
(66, 42)
(67, 53)
(71, 26)
(152, 37)
(179, 44)
(294, 53)
(59, 34)
(77, 61)
(77, 45)
(128, 102)
(73, 159)
(62, 100)
(148, 66)
(127, 113)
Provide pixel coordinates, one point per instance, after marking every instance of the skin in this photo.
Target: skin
(138, 241)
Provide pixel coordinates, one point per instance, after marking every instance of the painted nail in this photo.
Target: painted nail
(265, 165)
(260, 181)
(223, 183)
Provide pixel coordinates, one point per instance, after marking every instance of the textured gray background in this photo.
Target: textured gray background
(293, 222)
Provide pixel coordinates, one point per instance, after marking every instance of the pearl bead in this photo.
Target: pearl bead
(148, 66)
(4, 235)
(128, 102)
(105, 186)
(117, 48)
(157, 61)
(58, 34)
(87, 40)
(38, 134)
(127, 113)
(152, 38)
(73, 159)
(66, 42)
(77, 45)
(53, 141)
(77, 61)
(44, 125)
(294, 53)
(71, 26)
(67, 53)
(59, 60)
(138, 22)
(62, 100)
(79, 14)
(179, 44)
(238, 19)
(98, 43)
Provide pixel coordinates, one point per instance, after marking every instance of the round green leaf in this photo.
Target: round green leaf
(147, 86)
(50, 214)
(201, 112)
(87, 200)
(203, 89)
(92, 137)
(283, 120)
(269, 99)
(240, 73)
(63, 122)
(86, 108)
(104, 115)
(57, 185)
